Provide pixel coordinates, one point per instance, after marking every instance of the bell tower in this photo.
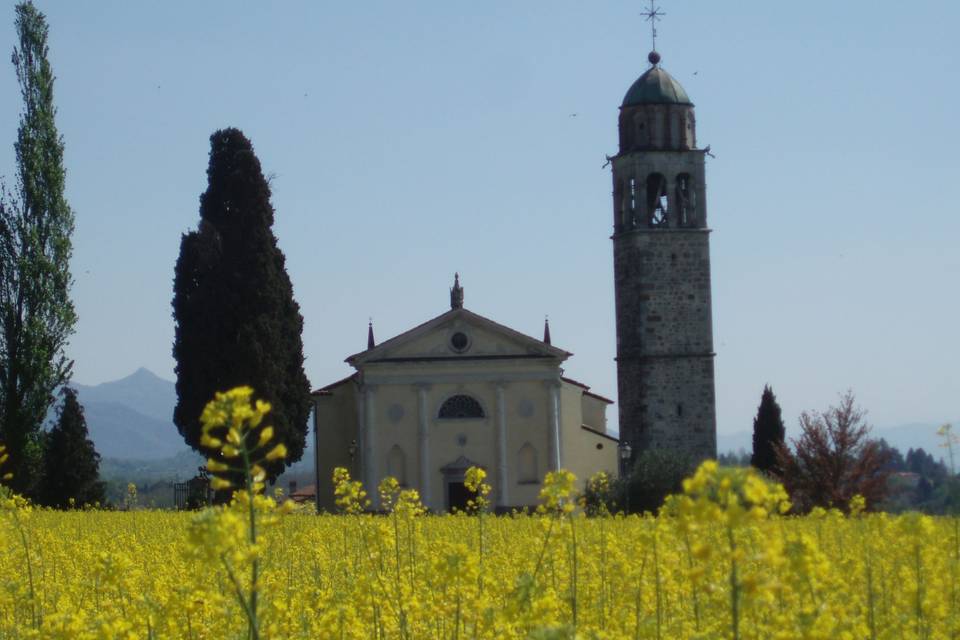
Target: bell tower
(661, 264)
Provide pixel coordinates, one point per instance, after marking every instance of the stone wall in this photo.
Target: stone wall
(665, 340)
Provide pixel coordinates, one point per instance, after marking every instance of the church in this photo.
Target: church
(461, 390)
(457, 391)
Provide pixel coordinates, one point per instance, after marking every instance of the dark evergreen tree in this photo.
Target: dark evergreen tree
(36, 314)
(895, 462)
(925, 465)
(768, 433)
(71, 463)
(236, 320)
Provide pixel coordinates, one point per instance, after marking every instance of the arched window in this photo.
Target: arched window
(656, 200)
(686, 201)
(397, 464)
(461, 406)
(527, 472)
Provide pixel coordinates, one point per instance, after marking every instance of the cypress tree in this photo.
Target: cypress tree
(768, 433)
(237, 322)
(36, 314)
(71, 463)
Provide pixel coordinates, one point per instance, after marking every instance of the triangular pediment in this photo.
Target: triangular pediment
(458, 334)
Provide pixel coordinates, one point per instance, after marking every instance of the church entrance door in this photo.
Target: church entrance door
(457, 496)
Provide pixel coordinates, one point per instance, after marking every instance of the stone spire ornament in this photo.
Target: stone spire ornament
(456, 293)
(546, 329)
(371, 343)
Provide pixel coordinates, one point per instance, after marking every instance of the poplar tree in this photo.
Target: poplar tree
(36, 314)
(768, 433)
(71, 476)
(237, 322)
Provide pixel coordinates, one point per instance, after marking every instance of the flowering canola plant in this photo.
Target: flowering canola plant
(720, 561)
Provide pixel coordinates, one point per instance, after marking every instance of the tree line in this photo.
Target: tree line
(833, 459)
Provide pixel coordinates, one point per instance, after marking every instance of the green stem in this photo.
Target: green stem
(657, 584)
(34, 617)
(693, 585)
(238, 590)
(603, 573)
(254, 630)
(734, 586)
(919, 603)
(543, 549)
(573, 577)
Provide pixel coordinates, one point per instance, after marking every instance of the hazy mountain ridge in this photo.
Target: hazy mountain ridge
(131, 424)
(132, 418)
(143, 391)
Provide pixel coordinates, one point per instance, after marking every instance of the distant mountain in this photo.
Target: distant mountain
(143, 391)
(132, 418)
(121, 432)
(131, 425)
(903, 437)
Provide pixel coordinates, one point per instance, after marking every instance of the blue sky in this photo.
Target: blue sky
(411, 140)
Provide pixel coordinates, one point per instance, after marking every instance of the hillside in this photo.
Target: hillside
(131, 425)
(131, 418)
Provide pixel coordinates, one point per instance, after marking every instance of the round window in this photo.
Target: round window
(459, 341)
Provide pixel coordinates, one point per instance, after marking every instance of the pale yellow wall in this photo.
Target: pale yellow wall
(335, 419)
(522, 429)
(479, 433)
(580, 452)
(590, 460)
(390, 432)
(595, 413)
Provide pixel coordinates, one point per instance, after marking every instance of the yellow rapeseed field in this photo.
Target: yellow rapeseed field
(141, 574)
(718, 562)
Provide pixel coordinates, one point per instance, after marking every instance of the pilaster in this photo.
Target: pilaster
(553, 425)
(369, 444)
(423, 442)
(500, 443)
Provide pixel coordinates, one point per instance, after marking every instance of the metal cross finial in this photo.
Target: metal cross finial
(652, 15)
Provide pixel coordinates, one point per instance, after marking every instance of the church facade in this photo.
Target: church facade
(459, 390)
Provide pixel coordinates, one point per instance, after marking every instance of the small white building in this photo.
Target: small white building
(456, 391)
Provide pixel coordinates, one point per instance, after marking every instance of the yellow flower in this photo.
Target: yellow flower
(474, 481)
(216, 467)
(209, 441)
(277, 453)
(265, 436)
(556, 496)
